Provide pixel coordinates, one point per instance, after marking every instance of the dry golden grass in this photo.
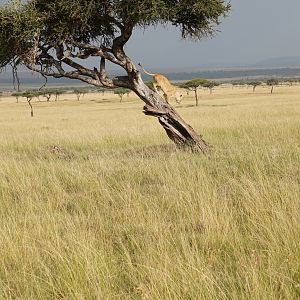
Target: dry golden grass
(95, 203)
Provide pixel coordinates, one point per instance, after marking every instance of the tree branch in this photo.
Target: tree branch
(71, 75)
(102, 75)
(99, 51)
(118, 47)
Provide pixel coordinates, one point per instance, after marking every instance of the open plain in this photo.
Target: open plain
(95, 202)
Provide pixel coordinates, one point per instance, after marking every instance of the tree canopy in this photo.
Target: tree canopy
(194, 83)
(44, 33)
(272, 81)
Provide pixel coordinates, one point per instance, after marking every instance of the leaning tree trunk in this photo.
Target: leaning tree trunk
(182, 134)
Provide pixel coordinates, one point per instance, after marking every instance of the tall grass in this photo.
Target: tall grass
(117, 213)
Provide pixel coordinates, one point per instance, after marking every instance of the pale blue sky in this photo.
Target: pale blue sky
(255, 30)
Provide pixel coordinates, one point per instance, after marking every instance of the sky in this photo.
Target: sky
(254, 30)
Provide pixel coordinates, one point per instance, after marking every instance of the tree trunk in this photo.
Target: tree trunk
(31, 108)
(196, 96)
(182, 134)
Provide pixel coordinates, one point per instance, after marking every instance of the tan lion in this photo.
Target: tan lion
(162, 83)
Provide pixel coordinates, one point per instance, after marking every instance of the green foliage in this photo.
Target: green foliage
(56, 21)
(30, 94)
(18, 27)
(272, 82)
(194, 84)
(121, 91)
(18, 94)
(255, 83)
(47, 93)
(81, 91)
(58, 91)
(210, 84)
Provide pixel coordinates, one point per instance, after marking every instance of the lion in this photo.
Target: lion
(162, 83)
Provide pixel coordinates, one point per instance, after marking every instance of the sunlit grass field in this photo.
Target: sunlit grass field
(95, 202)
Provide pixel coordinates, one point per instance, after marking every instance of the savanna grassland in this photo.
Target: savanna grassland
(95, 203)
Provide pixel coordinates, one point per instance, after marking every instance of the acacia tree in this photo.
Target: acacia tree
(47, 94)
(29, 96)
(51, 37)
(79, 92)
(57, 93)
(254, 84)
(193, 85)
(121, 92)
(211, 85)
(17, 95)
(272, 82)
(101, 90)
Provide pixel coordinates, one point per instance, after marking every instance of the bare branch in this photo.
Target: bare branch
(71, 75)
(102, 75)
(82, 70)
(99, 51)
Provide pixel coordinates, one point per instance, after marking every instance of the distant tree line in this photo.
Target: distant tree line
(195, 84)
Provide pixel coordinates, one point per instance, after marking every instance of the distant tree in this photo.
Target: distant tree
(57, 93)
(237, 83)
(47, 93)
(291, 81)
(29, 96)
(80, 92)
(17, 95)
(193, 85)
(255, 84)
(211, 85)
(84, 92)
(53, 37)
(121, 92)
(101, 90)
(272, 82)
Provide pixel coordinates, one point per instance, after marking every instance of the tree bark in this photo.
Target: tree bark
(182, 134)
